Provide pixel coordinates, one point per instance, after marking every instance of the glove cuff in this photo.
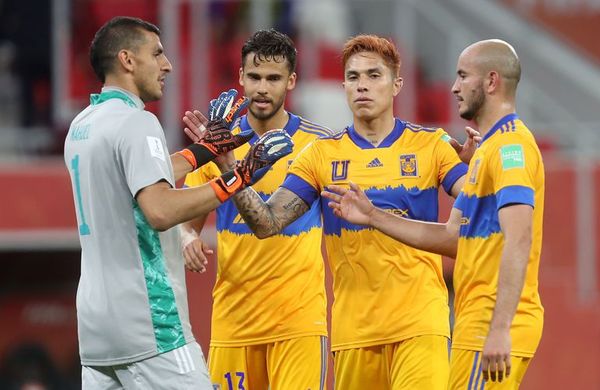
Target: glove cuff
(227, 185)
(198, 154)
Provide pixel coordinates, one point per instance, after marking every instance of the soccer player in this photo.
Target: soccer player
(390, 325)
(133, 325)
(269, 322)
(494, 229)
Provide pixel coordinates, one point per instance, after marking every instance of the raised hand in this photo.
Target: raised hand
(350, 204)
(269, 148)
(272, 146)
(195, 123)
(466, 151)
(216, 138)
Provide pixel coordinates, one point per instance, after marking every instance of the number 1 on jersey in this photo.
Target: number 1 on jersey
(84, 228)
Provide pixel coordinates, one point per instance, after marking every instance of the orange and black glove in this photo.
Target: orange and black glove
(218, 138)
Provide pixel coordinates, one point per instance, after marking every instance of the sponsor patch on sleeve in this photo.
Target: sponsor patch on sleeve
(512, 156)
(156, 147)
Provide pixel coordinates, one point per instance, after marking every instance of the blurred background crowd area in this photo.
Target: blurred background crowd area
(45, 79)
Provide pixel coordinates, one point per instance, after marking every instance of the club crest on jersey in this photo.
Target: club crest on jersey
(339, 170)
(408, 165)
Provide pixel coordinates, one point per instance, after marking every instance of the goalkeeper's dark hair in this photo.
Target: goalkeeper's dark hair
(121, 32)
(269, 45)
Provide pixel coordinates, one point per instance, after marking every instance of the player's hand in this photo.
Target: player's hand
(216, 138)
(495, 361)
(195, 123)
(269, 148)
(195, 253)
(350, 204)
(466, 151)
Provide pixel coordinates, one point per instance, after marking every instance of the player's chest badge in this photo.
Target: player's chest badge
(408, 165)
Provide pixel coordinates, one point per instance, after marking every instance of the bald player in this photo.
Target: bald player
(494, 229)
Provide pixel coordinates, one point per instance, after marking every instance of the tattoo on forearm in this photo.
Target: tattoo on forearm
(255, 212)
(294, 205)
(264, 219)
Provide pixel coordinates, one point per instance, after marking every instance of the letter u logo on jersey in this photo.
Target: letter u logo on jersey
(339, 170)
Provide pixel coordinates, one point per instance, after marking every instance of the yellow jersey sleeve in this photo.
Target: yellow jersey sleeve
(514, 170)
(202, 175)
(450, 167)
(303, 176)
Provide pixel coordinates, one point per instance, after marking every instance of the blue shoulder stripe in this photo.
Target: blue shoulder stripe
(306, 124)
(416, 128)
(336, 135)
(319, 133)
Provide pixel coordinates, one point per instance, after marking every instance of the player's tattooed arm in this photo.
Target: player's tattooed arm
(266, 219)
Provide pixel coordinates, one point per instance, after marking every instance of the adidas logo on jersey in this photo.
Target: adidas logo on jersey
(375, 163)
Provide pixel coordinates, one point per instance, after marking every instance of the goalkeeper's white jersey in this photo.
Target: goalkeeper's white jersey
(131, 299)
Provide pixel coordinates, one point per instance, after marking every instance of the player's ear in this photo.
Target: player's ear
(125, 59)
(492, 81)
(241, 76)
(291, 81)
(398, 82)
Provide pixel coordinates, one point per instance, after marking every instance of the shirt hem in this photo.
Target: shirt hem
(266, 340)
(389, 340)
(474, 347)
(129, 359)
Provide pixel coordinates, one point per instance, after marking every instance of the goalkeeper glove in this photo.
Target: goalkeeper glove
(218, 139)
(269, 148)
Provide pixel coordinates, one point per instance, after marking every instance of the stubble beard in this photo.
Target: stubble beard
(474, 107)
(262, 115)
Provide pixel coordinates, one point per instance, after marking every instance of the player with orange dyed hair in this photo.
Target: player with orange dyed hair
(390, 326)
(373, 44)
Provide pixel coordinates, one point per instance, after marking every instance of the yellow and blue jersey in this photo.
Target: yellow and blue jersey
(384, 291)
(506, 169)
(272, 289)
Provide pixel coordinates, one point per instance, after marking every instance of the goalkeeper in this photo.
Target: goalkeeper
(133, 323)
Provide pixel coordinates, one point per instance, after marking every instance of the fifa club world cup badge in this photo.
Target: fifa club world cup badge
(408, 165)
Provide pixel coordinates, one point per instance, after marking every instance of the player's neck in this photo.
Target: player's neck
(121, 82)
(491, 115)
(375, 130)
(277, 121)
